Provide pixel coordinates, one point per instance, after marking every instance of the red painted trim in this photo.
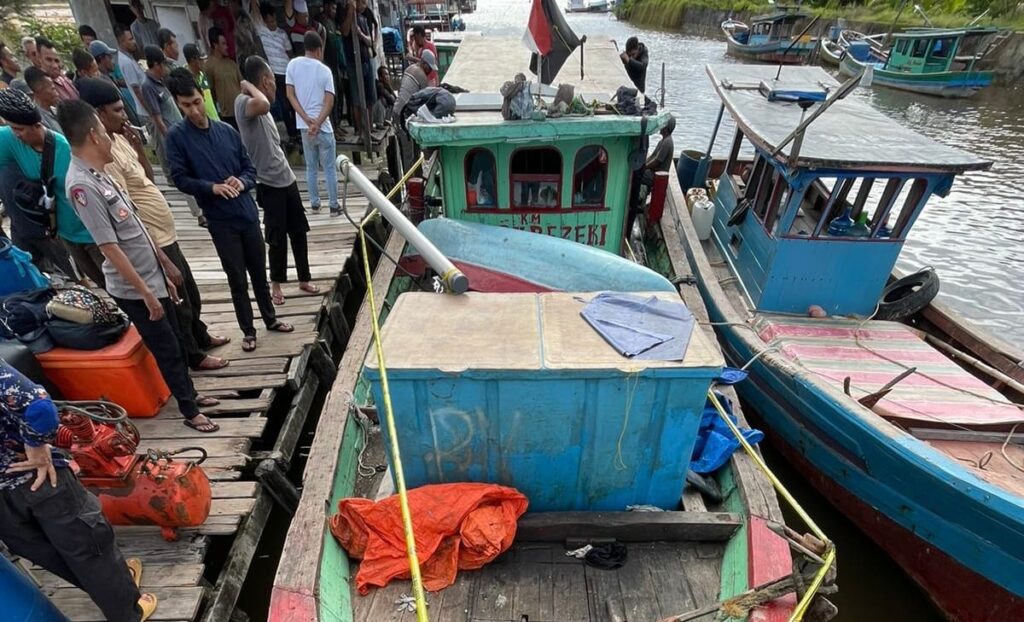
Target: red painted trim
(555, 210)
(481, 279)
(961, 594)
(768, 559)
(287, 605)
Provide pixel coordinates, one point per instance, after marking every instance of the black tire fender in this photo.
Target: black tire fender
(904, 297)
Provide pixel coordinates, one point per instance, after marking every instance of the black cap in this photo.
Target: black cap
(192, 51)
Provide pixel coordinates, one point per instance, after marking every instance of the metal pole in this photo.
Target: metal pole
(663, 85)
(454, 280)
(714, 132)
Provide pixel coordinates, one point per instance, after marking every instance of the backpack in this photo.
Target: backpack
(36, 198)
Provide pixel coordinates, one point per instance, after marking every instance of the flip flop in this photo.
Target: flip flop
(278, 299)
(135, 568)
(148, 603)
(212, 362)
(248, 344)
(205, 402)
(310, 288)
(196, 426)
(216, 341)
(280, 327)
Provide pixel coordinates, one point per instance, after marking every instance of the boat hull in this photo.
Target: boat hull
(953, 84)
(829, 53)
(776, 52)
(853, 465)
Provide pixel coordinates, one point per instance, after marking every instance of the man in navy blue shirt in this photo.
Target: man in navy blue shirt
(47, 517)
(208, 161)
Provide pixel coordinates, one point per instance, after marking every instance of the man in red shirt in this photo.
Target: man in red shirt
(213, 13)
(419, 42)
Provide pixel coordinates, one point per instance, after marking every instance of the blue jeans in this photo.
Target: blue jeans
(320, 151)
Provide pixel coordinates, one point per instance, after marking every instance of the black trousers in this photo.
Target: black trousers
(49, 255)
(286, 112)
(63, 530)
(195, 336)
(89, 261)
(243, 252)
(164, 341)
(284, 218)
(230, 121)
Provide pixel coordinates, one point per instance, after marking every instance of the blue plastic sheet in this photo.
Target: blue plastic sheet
(645, 328)
(731, 375)
(715, 441)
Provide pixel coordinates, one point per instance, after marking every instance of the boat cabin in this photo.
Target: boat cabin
(778, 26)
(568, 177)
(931, 50)
(822, 221)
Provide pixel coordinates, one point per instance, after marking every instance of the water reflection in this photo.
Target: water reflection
(973, 237)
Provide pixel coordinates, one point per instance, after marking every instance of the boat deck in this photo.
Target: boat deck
(265, 398)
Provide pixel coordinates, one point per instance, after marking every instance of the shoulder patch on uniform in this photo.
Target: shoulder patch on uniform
(78, 195)
(122, 214)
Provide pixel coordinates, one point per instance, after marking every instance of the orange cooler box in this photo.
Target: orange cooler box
(124, 373)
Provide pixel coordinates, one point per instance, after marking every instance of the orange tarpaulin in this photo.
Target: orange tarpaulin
(457, 526)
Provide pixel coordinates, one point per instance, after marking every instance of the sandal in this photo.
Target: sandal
(277, 299)
(135, 569)
(249, 343)
(212, 362)
(280, 327)
(206, 428)
(216, 341)
(310, 288)
(147, 603)
(204, 401)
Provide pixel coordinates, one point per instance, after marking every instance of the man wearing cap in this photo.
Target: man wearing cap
(144, 29)
(48, 517)
(135, 278)
(131, 170)
(310, 88)
(44, 95)
(21, 148)
(194, 61)
(106, 62)
(415, 79)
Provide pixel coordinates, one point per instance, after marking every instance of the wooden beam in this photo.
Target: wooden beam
(972, 436)
(295, 420)
(232, 576)
(628, 526)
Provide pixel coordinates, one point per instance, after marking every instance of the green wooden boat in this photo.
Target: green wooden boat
(932, 61)
(705, 548)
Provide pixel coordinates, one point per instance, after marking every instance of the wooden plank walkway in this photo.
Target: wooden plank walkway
(270, 388)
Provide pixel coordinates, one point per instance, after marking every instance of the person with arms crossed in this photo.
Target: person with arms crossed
(208, 161)
(131, 170)
(135, 279)
(310, 88)
(48, 517)
(277, 192)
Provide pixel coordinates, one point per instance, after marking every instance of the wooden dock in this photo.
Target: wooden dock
(265, 398)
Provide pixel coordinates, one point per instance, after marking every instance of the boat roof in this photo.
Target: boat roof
(850, 135)
(483, 64)
(934, 33)
(782, 16)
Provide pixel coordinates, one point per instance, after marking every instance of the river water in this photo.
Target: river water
(974, 238)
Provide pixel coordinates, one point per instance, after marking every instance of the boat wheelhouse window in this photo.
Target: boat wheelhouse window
(942, 48)
(481, 173)
(589, 177)
(901, 47)
(535, 178)
(888, 206)
(920, 48)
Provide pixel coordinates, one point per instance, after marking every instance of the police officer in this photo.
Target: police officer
(135, 279)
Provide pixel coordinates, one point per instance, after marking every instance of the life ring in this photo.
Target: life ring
(905, 297)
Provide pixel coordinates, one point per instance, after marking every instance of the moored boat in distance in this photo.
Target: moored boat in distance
(588, 6)
(833, 46)
(534, 215)
(773, 38)
(933, 61)
(864, 387)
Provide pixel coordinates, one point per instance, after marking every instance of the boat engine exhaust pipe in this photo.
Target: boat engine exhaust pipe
(454, 280)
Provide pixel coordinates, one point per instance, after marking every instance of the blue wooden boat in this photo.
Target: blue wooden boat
(771, 38)
(899, 428)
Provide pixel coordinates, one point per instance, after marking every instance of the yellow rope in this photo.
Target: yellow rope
(830, 555)
(403, 499)
(401, 182)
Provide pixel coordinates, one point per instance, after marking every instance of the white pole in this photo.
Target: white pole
(454, 280)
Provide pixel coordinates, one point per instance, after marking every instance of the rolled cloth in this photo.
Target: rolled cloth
(16, 107)
(98, 91)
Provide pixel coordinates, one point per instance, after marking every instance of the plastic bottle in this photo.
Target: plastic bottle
(840, 226)
(860, 229)
(703, 218)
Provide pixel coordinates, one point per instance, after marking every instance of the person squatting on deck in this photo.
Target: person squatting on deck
(22, 144)
(277, 191)
(48, 517)
(135, 279)
(209, 162)
(131, 170)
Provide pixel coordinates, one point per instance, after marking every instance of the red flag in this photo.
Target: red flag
(538, 30)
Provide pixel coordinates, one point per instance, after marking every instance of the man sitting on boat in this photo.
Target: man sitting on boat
(659, 160)
(48, 517)
(635, 60)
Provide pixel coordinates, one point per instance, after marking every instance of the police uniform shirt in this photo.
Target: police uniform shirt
(110, 217)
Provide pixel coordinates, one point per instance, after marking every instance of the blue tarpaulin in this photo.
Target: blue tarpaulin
(715, 441)
(645, 328)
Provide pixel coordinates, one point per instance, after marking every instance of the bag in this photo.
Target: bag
(23, 317)
(36, 198)
(67, 334)
(392, 41)
(79, 305)
(17, 272)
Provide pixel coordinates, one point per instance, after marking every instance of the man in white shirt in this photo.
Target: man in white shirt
(310, 88)
(134, 76)
(278, 47)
